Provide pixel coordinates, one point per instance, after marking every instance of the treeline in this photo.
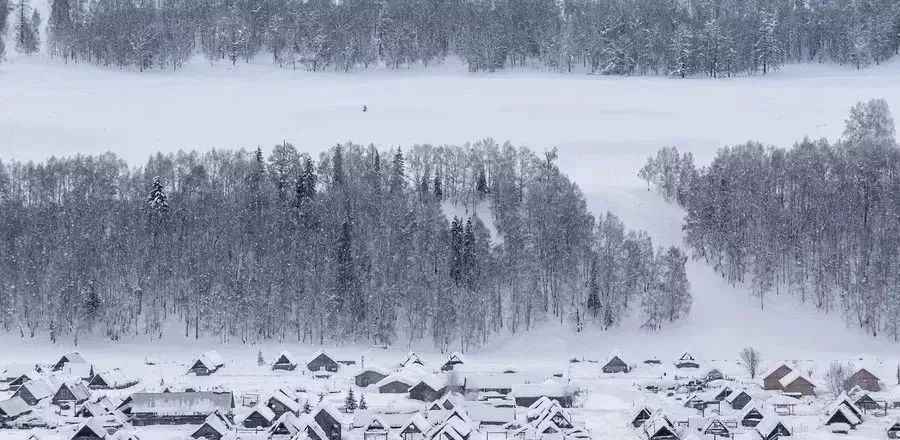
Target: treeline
(820, 220)
(660, 37)
(26, 27)
(354, 246)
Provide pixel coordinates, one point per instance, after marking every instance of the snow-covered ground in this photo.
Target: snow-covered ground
(604, 127)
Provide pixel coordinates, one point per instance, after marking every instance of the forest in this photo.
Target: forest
(625, 37)
(355, 245)
(820, 220)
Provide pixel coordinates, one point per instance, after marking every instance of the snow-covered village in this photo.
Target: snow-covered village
(323, 396)
(449, 219)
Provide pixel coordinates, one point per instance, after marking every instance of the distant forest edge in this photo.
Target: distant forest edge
(353, 247)
(819, 220)
(627, 37)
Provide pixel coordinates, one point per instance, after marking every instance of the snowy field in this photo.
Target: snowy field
(604, 127)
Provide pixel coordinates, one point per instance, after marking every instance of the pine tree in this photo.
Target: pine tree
(481, 187)
(26, 31)
(260, 360)
(350, 401)
(362, 402)
(398, 173)
(438, 188)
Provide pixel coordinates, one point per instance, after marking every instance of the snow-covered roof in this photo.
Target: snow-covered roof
(656, 423)
(400, 376)
(792, 377)
(263, 411)
(767, 425)
(479, 381)
(211, 359)
(78, 390)
(15, 370)
(843, 400)
(42, 387)
(434, 381)
(77, 371)
(548, 389)
(71, 357)
(485, 413)
(282, 397)
(114, 379)
(848, 414)
(781, 400)
(181, 403)
(418, 421)
(735, 394)
(774, 367)
(14, 407)
(93, 424)
(285, 357)
(412, 359)
(217, 422)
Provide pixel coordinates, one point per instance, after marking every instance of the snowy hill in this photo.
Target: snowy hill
(604, 128)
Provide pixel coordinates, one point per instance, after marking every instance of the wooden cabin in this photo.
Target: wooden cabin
(772, 379)
(259, 417)
(330, 421)
(208, 363)
(214, 427)
(751, 417)
(640, 417)
(796, 384)
(615, 365)
(322, 362)
(738, 399)
(428, 389)
(111, 380)
(370, 376)
(90, 430)
(71, 393)
(71, 357)
(285, 362)
(865, 380)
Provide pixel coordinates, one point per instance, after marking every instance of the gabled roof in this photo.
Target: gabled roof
(113, 379)
(412, 358)
(71, 357)
(686, 356)
(752, 409)
(92, 425)
(282, 397)
(42, 387)
(78, 390)
(217, 422)
(714, 424)
(768, 425)
(844, 400)
(735, 394)
(842, 410)
(792, 377)
(14, 407)
(285, 357)
(417, 421)
(455, 358)
(331, 411)
(317, 354)
(263, 411)
(775, 368)
(399, 376)
(781, 400)
(656, 424)
(211, 359)
(436, 382)
(289, 421)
